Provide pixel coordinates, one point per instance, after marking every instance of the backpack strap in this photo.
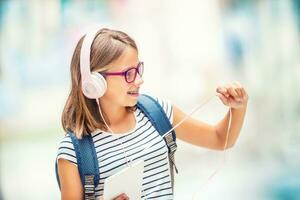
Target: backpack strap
(87, 163)
(152, 109)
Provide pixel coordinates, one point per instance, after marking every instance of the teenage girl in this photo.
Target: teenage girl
(119, 129)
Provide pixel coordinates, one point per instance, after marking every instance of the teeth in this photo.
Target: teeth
(133, 92)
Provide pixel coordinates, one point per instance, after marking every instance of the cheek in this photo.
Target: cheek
(116, 88)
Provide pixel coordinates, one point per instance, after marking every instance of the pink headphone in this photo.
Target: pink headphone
(93, 83)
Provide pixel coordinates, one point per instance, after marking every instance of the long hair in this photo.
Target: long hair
(80, 114)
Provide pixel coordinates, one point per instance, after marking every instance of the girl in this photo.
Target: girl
(109, 114)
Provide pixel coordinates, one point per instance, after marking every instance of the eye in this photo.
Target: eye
(130, 75)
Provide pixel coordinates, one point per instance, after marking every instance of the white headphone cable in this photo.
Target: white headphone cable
(185, 118)
(198, 107)
(178, 124)
(122, 145)
(223, 160)
(123, 148)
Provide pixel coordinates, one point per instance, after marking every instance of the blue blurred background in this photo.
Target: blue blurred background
(189, 48)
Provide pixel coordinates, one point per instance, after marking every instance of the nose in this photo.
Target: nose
(138, 80)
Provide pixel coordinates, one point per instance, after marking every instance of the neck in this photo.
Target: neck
(113, 114)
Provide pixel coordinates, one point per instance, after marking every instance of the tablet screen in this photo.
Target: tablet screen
(128, 181)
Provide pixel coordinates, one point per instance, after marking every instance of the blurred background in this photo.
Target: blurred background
(189, 48)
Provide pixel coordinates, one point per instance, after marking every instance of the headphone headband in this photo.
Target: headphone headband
(85, 54)
(93, 84)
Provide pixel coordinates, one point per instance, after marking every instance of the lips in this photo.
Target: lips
(133, 92)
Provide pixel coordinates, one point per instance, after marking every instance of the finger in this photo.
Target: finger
(242, 90)
(245, 95)
(238, 89)
(223, 98)
(232, 92)
(223, 91)
(121, 197)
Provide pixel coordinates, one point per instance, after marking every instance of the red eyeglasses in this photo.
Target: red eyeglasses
(129, 74)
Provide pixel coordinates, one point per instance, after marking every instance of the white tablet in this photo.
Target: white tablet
(128, 181)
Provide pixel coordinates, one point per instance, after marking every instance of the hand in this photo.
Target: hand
(122, 197)
(233, 95)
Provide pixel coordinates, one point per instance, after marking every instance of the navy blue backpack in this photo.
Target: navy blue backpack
(86, 154)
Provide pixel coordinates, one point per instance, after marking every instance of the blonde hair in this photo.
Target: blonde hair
(80, 114)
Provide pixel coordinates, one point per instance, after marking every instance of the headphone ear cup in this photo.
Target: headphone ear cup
(94, 87)
(99, 83)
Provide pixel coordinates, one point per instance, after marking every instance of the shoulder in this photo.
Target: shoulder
(166, 106)
(66, 149)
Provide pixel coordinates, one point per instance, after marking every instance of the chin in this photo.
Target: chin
(132, 103)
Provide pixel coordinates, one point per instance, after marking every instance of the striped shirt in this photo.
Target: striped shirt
(111, 157)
